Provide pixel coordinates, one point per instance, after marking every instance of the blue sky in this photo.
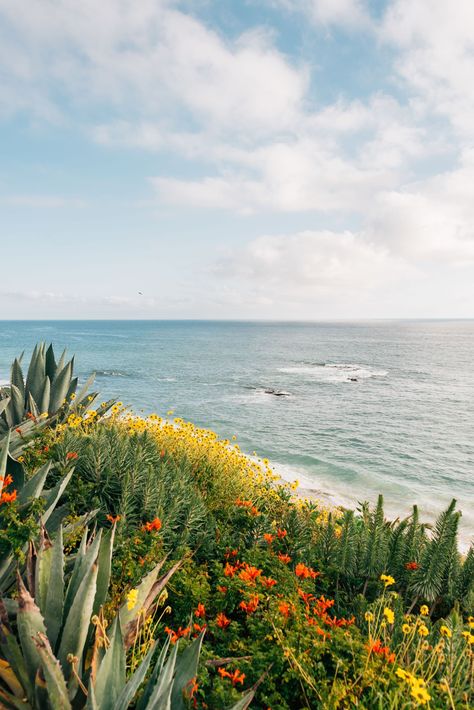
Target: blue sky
(300, 159)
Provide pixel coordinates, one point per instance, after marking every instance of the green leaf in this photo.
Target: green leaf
(17, 379)
(36, 374)
(78, 619)
(85, 558)
(186, 670)
(110, 678)
(17, 405)
(53, 607)
(34, 487)
(53, 676)
(130, 690)
(4, 455)
(45, 396)
(105, 566)
(29, 623)
(160, 697)
(50, 363)
(59, 388)
(52, 496)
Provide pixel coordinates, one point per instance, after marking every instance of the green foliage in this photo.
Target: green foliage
(48, 393)
(53, 657)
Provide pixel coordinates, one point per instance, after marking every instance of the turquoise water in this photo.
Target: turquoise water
(367, 407)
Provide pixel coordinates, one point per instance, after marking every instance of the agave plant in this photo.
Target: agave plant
(56, 652)
(24, 493)
(48, 391)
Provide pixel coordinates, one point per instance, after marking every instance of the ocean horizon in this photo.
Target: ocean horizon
(350, 409)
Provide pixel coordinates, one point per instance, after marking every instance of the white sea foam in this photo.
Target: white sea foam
(335, 371)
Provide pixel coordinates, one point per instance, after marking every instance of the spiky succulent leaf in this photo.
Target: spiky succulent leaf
(110, 677)
(186, 670)
(29, 623)
(56, 688)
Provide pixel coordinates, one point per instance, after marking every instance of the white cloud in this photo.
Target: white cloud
(346, 13)
(314, 267)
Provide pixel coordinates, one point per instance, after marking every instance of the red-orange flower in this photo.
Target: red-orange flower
(267, 582)
(200, 611)
(230, 570)
(384, 651)
(154, 525)
(284, 608)
(301, 570)
(281, 533)
(71, 456)
(286, 559)
(175, 635)
(113, 518)
(268, 537)
(220, 588)
(8, 497)
(250, 606)
(222, 621)
(412, 565)
(235, 677)
(249, 573)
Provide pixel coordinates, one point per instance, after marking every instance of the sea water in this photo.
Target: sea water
(349, 409)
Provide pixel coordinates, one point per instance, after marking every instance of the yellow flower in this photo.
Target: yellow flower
(369, 616)
(387, 580)
(401, 674)
(420, 694)
(424, 611)
(21, 459)
(389, 615)
(469, 637)
(406, 628)
(72, 397)
(445, 631)
(132, 599)
(423, 630)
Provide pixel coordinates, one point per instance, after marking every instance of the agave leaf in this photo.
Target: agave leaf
(4, 457)
(160, 697)
(60, 364)
(105, 565)
(52, 496)
(72, 388)
(246, 699)
(84, 389)
(32, 406)
(152, 681)
(34, 487)
(60, 387)
(85, 559)
(77, 621)
(53, 606)
(17, 405)
(110, 678)
(91, 703)
(45, 396)
(186, 670)
(55, 684)
(17, 378)
(50, 363)
(12, 651)
(130, 690)
(10, 701)
(42, 570)
(36, 374)
(17, 472)
(8, 676)
(4, 402)
(29, 623)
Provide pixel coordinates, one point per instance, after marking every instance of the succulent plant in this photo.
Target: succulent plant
(52, 656)
(23, 493)
(49, 391)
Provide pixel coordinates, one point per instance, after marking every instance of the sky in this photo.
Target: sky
(247, 159)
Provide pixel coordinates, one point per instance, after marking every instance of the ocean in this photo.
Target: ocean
(349, 409)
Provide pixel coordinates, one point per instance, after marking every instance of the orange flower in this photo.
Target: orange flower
(286, 559)
(231, 553)
(5, 482)
(154, 525)
(306, 597)
(191, 688)
(162, 454)
(230, 570)
(45, 449)
(412, 565)
(222, 621)
(8, 497)
(268, 537)
(221, 589)
(175, 635)
(235, 677)
(198, 627)
(284, 608)
(113, 518)
(200, 611)
(268, 582)
(305, 572)
(250, 606)
(249, 574)
(71, 455)
(281, 533)
(384, 651)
